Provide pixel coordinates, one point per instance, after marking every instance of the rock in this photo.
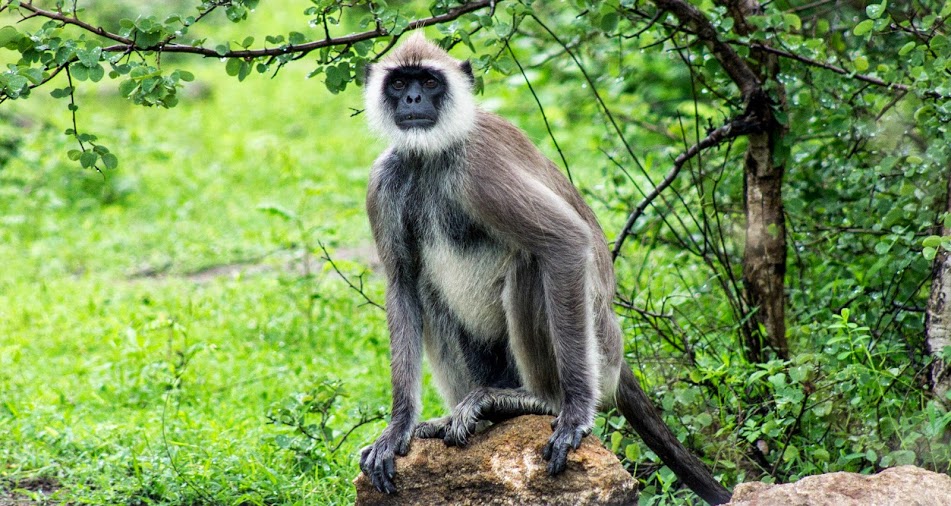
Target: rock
(503, 466)
(898, 486)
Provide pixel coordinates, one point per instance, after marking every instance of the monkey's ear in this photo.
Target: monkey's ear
(466, 68)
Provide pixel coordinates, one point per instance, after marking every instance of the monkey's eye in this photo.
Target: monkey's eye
(398, 84)
(430, 83)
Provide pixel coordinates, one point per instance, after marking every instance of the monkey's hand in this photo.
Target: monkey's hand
(567, 437)
(378, 461)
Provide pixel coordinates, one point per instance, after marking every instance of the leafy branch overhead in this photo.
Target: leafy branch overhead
(134, 51)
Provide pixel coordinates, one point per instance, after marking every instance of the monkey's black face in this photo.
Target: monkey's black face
(415, 95)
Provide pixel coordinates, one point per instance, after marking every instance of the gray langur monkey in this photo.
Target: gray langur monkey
(496, 268)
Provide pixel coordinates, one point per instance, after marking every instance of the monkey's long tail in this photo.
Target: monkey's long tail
(637, 408)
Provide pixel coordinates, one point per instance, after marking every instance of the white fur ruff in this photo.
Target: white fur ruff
(456, 118)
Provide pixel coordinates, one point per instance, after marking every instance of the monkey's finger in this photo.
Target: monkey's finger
(382, 475)
(389, 469)
(576, 442)
(363, 459)
(559, 459)
(402, 447)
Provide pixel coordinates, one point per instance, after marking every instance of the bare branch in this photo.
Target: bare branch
(733, 129)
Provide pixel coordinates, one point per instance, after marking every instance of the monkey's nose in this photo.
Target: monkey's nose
(411, 100)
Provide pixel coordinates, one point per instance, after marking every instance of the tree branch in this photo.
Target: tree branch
(58, 16)
(732, 63)
(126, 45)
(733, 129)
(841, 71)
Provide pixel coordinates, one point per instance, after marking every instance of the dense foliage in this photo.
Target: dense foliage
(633, 99)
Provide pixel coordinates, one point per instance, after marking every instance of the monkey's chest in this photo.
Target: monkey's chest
(466, 268)
(469, 284)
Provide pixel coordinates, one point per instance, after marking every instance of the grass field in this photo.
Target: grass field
(151, 316)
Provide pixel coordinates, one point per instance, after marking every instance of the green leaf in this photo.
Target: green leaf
(295, 38)
(223, 49)
(632, 452)
(929, 253)
(861, 63)
(60, 92)
(110, 161)
(246, 43)
(233, 66)
(127, 87)
(89, 57)
(88, 159)
(616, 439)
(276, 210)
(96, 73)
(8, 34)
(790, 453)
(74, 154)
(35, 75)
(79, 71)
(502, 29)
(932, 241)
(902, 457)
(875, 11)
(185, 75)
(863, 27)
(906, 48)
(244, 70)
(609, 22)
(792, 21)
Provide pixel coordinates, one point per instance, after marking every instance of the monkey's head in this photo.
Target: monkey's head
(420, 97)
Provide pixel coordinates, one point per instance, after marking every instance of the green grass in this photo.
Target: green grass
(150, 316)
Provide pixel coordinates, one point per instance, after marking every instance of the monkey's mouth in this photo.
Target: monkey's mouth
(409, 121)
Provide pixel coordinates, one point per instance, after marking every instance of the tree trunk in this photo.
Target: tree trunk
(764, 257)
(938, 317)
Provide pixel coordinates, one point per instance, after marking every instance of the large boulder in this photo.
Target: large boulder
(503, 466)
(898, 486)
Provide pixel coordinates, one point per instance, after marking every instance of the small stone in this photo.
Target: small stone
(503, 466)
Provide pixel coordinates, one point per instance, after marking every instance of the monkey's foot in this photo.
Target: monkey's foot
(567, 437)
(432, 429)
(378, 461)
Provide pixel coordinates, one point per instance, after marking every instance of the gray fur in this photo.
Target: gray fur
(496, 268)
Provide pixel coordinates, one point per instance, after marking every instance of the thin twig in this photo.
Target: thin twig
(541, 109)
(358, 289)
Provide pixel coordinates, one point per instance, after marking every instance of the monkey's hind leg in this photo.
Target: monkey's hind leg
(490, 404)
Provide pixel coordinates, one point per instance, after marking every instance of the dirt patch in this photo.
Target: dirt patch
(289, 261)
(18, 494)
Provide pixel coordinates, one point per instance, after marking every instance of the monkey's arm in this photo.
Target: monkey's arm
(542, 224)
(404, 319)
